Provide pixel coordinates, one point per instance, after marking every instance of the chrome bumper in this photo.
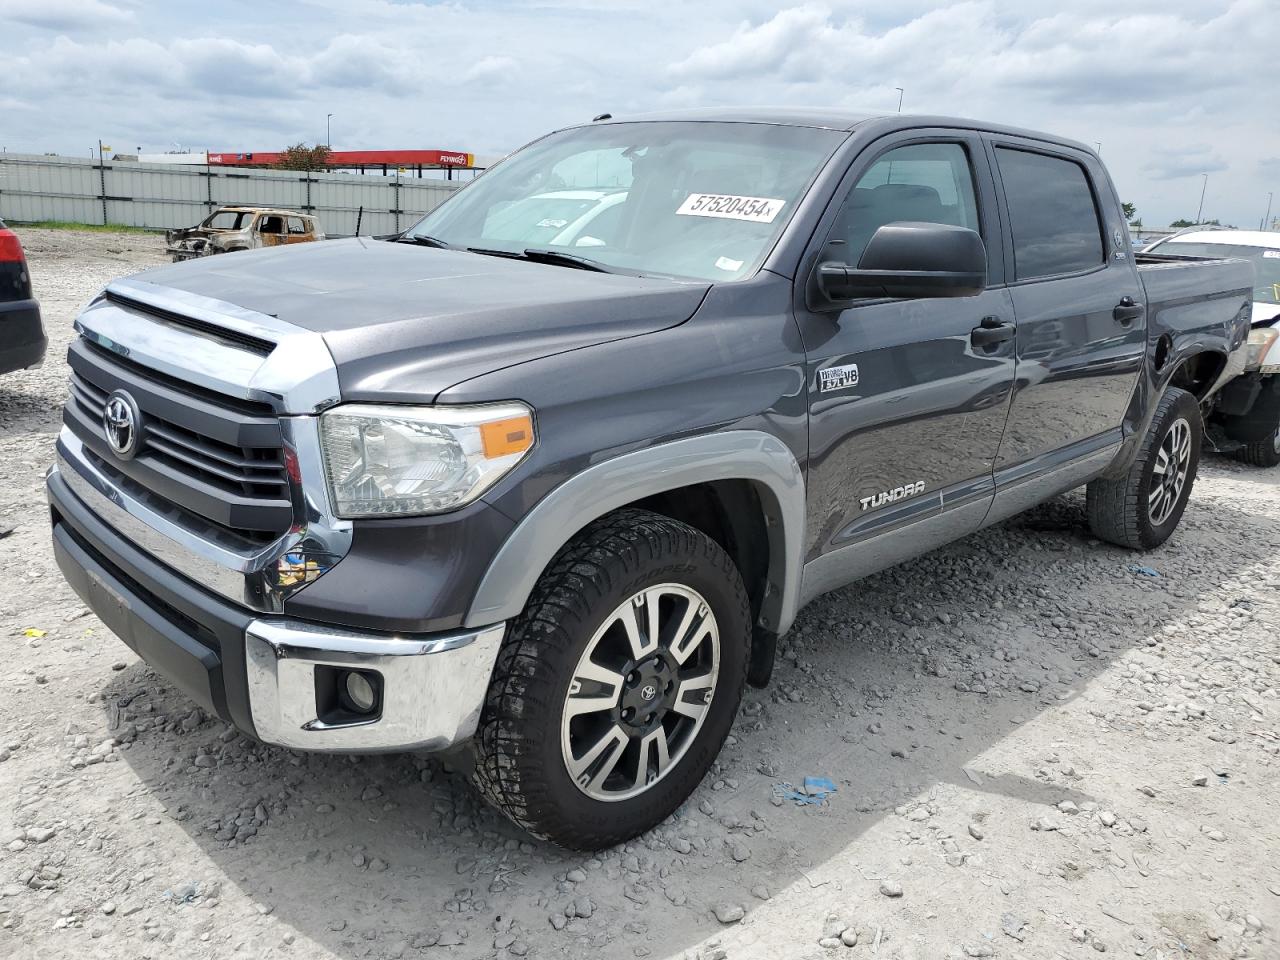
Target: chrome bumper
(433, 688)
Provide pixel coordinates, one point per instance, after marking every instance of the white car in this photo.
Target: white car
(1246, 419)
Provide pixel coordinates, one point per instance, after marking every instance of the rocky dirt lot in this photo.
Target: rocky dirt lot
(1042, 751)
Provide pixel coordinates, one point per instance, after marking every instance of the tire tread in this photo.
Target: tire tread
(603, 555)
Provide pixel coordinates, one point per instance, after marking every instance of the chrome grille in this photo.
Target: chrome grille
(218, 458)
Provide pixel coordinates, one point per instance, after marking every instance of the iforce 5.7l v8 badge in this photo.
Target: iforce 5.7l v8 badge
(837, 378)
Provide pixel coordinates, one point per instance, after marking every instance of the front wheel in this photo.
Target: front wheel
(1142, 508)
(617, 685)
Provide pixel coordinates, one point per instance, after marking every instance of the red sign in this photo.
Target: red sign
(353, 158)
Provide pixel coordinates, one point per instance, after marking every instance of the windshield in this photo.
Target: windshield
(1266, 262)
(682, 199)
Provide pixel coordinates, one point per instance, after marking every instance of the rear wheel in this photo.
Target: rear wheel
(1142, 508)
(1262, 453)
(617, 684)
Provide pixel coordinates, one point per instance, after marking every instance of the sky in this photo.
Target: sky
(1171, 90)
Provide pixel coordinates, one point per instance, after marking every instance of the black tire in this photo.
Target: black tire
(1120, 509)
(1262, 453)
(520, 765)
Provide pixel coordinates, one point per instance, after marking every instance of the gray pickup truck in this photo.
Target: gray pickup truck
(549, 494)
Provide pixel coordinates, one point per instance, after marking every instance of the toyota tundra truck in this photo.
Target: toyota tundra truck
(549, 501)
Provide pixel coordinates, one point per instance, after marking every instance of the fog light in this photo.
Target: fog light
(361, 696)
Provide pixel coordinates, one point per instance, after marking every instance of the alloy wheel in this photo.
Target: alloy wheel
(640, 692)
(1169, 472)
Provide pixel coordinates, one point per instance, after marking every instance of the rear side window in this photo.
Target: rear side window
(1054, 219)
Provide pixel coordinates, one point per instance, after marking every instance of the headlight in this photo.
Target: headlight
(1260, 341)
(393, 460)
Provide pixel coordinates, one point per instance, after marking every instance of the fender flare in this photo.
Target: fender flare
(751, 455)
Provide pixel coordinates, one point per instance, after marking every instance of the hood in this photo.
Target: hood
(1264, 313)
(405, 322)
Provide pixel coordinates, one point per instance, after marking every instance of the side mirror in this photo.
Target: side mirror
(907, 261)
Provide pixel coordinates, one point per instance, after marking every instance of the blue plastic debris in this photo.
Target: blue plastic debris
(1145, 571)
(815, 792)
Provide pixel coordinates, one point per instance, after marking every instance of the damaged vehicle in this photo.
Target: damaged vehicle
(549, 505)
(241, 228)
(1245, 419)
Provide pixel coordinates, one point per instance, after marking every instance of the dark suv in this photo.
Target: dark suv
(22, 339)
(552, 486)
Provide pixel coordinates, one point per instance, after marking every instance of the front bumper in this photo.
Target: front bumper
(265, 675)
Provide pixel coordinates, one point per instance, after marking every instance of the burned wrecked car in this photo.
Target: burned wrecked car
(241, 228)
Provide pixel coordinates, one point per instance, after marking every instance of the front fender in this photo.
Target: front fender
(750, 455)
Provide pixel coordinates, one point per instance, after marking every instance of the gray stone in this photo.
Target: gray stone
(729, 912)
(891, 888)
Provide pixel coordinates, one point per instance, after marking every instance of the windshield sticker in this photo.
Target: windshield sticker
(729, 207)
(724, 263)
(1271, 254)
(553, 222)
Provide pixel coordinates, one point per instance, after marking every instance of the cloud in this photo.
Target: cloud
(69, 15)
(491, 70)
(1189, 161)
(1146, 78)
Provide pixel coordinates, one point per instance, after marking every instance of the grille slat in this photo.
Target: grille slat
(193, 446)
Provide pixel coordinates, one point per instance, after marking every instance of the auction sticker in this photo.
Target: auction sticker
(729, 207)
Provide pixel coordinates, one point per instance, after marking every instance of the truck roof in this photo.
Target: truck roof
(836, 119)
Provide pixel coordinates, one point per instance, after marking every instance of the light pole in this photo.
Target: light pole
(327, 141)
(899, 89)
(1203, 187)
(1097, 147)
(1266, 216)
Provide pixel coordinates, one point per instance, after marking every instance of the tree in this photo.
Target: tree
(1180, 223)
(1130, 211)
(301, 157)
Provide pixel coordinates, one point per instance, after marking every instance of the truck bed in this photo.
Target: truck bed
(1187, 293)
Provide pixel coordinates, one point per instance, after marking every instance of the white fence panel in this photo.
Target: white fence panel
(159, 196)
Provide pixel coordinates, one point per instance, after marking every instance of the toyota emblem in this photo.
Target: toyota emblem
(648, 692)
(122, 424)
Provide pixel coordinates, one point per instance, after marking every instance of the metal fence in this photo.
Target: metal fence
(73, 190)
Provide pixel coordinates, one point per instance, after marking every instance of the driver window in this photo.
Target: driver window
(923, 182)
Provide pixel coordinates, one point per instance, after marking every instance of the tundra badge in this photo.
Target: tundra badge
(892, 496)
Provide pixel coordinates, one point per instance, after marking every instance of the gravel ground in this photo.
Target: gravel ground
(1041, 752)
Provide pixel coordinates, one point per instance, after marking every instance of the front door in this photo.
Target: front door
(907, 405)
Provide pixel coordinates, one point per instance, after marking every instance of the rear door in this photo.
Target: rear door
(1078, 304)
(906, 410)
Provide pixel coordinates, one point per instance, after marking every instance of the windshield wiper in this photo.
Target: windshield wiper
(423, 240)
(545, 256)
(567, 260)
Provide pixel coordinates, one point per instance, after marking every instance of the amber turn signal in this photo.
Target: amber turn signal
(502, 438)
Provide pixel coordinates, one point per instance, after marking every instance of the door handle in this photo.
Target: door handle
(1127, 311)
(991, 331)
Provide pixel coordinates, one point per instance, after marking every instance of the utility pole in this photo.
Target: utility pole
(102, 181)
(899, 89)
(1266, 216)
(328, 142)
(1203, 187)
(1097, 147)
